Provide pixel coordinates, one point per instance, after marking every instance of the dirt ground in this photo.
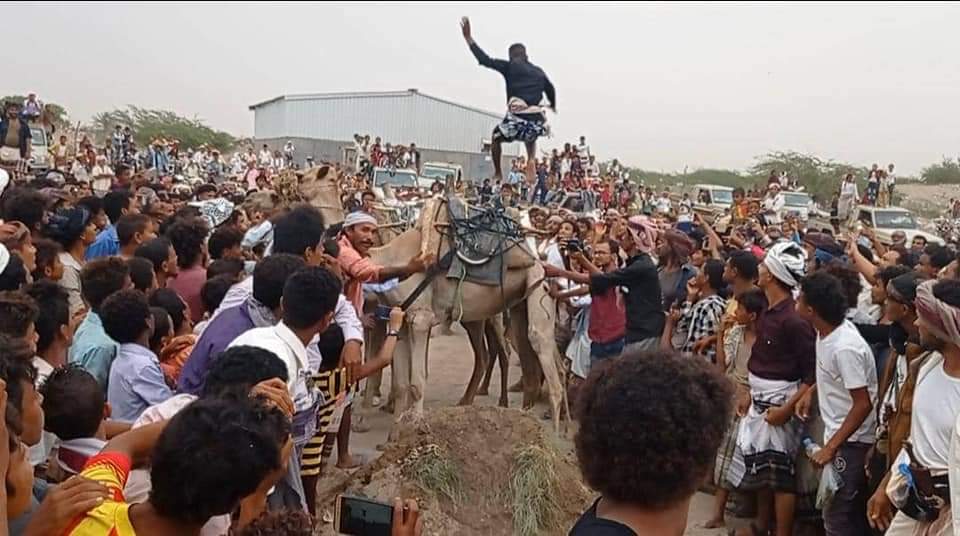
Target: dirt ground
(927, 200)
(450, 364)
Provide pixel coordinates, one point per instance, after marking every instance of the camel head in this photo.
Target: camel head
(318, 186)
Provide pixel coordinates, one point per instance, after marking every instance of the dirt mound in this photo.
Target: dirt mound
(476, 470)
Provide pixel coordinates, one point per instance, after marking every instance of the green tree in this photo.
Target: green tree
(944, 172)
(148, 125)
(821, 178)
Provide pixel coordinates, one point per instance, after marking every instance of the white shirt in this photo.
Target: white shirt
(285, 344)
(39, 453)
(844, 363)
(583, 151)
(936, 404)
(265, 157)
(772, 207)
(848, 189)
(664, 204)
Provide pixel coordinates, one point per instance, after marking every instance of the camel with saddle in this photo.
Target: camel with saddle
(432, 298)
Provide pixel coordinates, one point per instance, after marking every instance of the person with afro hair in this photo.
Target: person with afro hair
(646, 480)
(188, 237)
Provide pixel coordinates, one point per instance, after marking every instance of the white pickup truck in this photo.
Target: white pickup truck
(886, 221)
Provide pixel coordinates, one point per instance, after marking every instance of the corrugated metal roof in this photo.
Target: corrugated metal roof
(369, 95)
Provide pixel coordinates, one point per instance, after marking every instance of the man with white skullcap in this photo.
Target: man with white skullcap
(782, 368)
(359, 232)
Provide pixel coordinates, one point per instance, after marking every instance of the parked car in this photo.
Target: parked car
(440, 171)
(398, 179)
(885, 221)
(799, 204)
(40, 150)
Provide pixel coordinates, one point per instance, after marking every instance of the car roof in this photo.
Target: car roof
(713, 187)
(888, 209)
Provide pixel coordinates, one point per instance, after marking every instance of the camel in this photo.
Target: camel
(531, 309)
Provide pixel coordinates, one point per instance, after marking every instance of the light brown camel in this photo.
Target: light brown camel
(531, 308)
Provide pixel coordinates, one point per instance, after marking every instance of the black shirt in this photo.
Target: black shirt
(641, 292)
(591, 525)
(524, 79)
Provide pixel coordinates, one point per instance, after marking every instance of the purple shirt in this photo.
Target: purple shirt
(785, 348)
(218, 334)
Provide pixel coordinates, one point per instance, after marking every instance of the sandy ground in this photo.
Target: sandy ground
(451, 362)
(927, 200)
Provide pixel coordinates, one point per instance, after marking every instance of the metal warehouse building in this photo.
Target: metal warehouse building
(323, 124)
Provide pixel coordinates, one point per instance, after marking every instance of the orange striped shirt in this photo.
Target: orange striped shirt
(112, 517)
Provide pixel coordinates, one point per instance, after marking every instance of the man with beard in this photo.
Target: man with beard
(936, 404)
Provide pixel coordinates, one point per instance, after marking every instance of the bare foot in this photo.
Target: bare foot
(715, 523)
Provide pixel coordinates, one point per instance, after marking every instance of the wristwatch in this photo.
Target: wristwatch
(393, 333)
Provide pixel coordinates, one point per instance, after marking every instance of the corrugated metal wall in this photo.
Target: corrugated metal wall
(402, 117)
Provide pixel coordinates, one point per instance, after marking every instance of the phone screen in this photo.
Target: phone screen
(363, 517)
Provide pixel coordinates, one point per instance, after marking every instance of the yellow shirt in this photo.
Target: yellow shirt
(112, 517)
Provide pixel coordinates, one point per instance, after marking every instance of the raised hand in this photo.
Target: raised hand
(465, 29)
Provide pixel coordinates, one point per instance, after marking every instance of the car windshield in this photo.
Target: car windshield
(894, 219)
(396, 177)
(436, 172)
(38, 136)
(722, 196)
(796, 200)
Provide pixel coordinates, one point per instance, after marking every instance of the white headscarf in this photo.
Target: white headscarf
(358, 217)
(786, 261)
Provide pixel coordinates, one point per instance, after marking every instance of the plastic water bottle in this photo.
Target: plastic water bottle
(810, 446)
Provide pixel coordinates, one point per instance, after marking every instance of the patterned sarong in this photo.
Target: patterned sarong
(769, 452)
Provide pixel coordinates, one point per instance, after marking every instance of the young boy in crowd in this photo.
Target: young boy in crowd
(75, 411)
(18, 312)
(136, 380)
(92, 348)
(846, 388)
(47, 260)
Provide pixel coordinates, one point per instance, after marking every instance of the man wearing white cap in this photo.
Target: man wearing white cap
(773, 204)
(359, 231)
(782, 368)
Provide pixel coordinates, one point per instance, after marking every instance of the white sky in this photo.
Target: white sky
(662, 86)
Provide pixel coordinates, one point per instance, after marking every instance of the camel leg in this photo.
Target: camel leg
(374, 340)
(497, 347)
(491, 354)
(529, 367)
(420, 326)
(475, 331)
(400, 391)
(540, 312)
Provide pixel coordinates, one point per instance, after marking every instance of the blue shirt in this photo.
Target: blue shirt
(93, 349)
(514, 177)
(136, 383)
(106, 244)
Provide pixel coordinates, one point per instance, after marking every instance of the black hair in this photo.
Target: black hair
(141, 273)
(188, 236)
(283, 522)
(214, 290)
(18, 372)
(242, 438)
(125, 316)
(746, 264)
(330, 344)
(909, 259)
(939, 256)
(713, 268)
(53, 311)
(161, 327)
(170, 301)
(14, 275)
(753, 301)
(18, 311)
(865, 251)
(297, 230)
(92, 203)
(26, 206)
(100, 278)
(685, 400)
(892, 272)
(948, 291)
(824, 293)
(203, 188)
(73, 403)
(849, 281)
(47, 253)
(239, 368)
(308, 296)
(921, 237)
(231, 267)
(739, 191)
(129, 225)
(223, 239)
(115, 202)
(156, 251)
(271, 274)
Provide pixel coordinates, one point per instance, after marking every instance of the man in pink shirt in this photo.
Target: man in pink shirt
(359, 231)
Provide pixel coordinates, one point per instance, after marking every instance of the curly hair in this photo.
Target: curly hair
(53, 311)
(188, 237)
(26, 206)
(101, 278)
(239, 437)
(283, 522)
(239, 368)
(125, 316)
(849, 280)
(222, 239)
(650, 426)
(73, 403)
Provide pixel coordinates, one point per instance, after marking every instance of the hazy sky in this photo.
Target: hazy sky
(662, 86)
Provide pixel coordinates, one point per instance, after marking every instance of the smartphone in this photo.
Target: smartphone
(357, 516)
(382, 312)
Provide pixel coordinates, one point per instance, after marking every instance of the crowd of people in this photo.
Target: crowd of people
(135, 330)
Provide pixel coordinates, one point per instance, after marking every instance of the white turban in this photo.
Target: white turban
(358, 217)
(786, 261)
